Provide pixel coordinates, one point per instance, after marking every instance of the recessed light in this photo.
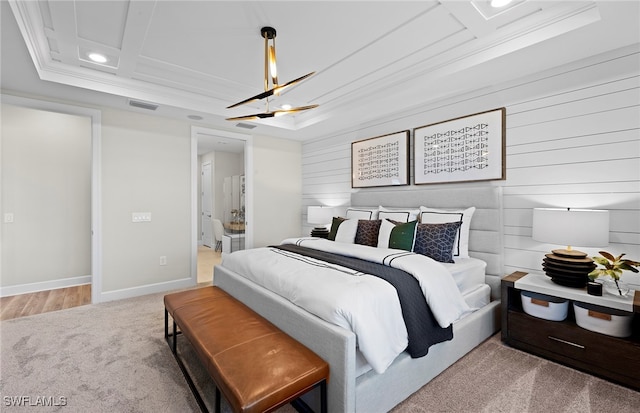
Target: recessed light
(500, 3)
(98, 58)
(286, 106)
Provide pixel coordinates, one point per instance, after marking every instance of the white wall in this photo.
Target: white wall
(146, 167)
(46, 185)
(573, 139)
(277, 188)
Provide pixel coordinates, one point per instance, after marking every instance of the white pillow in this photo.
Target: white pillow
(347, 231)
(362, 213)
(398, 214)
(439, 216)
(385, 233)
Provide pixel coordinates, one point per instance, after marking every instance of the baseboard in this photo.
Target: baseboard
(44, 286)
(146, 289)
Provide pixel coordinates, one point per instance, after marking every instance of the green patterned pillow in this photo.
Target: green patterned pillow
(334, 227)
(397, 235)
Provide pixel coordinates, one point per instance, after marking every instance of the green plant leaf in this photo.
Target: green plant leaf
(614, 266)
(601, 261)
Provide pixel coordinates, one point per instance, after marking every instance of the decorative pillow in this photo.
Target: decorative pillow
(362, 213)
(436, 240)
(347, 231)
(367, 232)
(397, 235)
(440, 216)
(335, 223)
(398, 214)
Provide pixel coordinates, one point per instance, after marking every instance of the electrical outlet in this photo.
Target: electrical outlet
(163, 260)
(8, 218)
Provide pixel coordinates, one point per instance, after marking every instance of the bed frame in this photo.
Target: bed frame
(372, 392)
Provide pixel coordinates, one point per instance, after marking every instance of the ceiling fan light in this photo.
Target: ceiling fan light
(270, 72)
(272, 65)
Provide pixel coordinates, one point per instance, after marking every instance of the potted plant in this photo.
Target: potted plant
(613, 267)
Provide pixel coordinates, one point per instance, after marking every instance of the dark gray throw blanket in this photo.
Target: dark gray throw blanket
(422, 328)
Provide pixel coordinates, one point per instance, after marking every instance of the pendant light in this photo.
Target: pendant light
(271, 86)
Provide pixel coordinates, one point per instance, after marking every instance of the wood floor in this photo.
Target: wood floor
(44, 301)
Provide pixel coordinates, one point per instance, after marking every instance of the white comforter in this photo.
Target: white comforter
(362, 303)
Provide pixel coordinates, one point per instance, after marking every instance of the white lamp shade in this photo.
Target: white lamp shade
(571, 227)
(319, 215)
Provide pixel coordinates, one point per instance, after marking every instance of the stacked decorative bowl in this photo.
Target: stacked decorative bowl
(568, 268)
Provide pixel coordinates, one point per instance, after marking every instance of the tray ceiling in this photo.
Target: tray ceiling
(199, 57)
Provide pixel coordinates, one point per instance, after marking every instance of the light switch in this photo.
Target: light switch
(8, 218)
(141, 217)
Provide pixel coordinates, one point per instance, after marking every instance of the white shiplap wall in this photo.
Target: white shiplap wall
(573, 140)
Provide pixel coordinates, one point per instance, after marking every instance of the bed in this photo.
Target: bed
(353, 385)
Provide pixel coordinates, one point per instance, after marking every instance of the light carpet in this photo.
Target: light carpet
(112, 357)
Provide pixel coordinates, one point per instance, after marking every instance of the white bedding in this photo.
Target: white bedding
(364, 304)
(468, 273)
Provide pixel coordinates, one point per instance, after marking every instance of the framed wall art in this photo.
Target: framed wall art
(469, 148)
(380, 161)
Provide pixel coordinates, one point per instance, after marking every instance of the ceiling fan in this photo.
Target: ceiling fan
(271, 79)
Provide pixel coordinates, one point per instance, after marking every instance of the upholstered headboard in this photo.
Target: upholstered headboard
(485, 235)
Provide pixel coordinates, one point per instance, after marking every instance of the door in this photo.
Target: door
(207, 205)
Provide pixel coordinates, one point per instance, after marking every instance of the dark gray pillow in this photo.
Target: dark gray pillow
(367, 233)
(436, 240)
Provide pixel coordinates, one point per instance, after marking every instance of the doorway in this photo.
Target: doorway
(85, 223)
(227, 154)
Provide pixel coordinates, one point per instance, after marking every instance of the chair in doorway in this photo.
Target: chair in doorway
(218, 232)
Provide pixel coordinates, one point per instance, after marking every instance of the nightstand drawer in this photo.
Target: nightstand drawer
(560, 340)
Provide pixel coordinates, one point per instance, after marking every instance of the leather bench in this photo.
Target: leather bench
(255, 365)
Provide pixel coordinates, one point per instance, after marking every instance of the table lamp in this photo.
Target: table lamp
(571, 227)
(319, 216)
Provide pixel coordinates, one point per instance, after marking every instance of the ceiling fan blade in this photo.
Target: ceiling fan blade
(280, 88)
(293, 110)
(275, 90)
(279, 112)
(253, 98)
(255, 116)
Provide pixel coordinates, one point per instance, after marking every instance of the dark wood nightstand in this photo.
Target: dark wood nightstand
(612, 358)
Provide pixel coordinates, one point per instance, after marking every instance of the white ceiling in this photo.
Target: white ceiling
(371, 58)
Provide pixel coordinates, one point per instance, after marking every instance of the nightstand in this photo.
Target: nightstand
(612, 358)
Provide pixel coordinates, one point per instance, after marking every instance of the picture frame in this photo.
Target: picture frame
(464, 149)
(380, 161)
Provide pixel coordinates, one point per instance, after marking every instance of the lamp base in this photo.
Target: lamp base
(568, 267)
(570, 253)
(320, 232)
